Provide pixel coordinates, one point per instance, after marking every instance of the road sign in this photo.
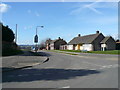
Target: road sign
(36, 39)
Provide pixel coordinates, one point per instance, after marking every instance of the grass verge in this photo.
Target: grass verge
(10, 52)
(116, 52)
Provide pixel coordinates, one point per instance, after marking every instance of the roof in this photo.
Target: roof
(105, 39)
(48, 41)
(84, 39)
(53, 41)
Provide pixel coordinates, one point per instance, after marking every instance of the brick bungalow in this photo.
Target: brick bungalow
(55, 44)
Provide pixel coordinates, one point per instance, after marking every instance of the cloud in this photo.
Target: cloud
(88, 6)
(4, 8)
(93, 7)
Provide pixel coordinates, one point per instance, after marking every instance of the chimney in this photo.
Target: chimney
(79, 35)
(59, 38)
(97, 32)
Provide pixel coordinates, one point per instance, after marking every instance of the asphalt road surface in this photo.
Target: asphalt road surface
(66, 71)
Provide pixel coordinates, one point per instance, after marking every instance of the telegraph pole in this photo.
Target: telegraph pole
(16, 34)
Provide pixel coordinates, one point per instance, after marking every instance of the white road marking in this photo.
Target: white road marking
(109, 66)
(66, 87)
(91, 63)
(60, 88)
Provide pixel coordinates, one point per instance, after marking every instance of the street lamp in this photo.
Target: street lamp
(36, 37)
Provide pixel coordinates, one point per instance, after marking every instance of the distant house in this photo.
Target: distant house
(92, 42)
(64, 47)
(108, 43)
(48, 44)
(55, 44)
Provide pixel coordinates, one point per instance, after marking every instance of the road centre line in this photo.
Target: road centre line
(92, 63)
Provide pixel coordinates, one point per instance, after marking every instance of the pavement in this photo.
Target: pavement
(25, 60)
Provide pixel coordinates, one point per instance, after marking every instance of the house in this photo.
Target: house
(92, 42)
(108, 43)
(64, 47)
(55, 44)
(48, 44)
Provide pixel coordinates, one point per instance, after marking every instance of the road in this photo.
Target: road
(66, 71)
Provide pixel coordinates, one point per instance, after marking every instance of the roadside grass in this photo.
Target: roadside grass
(10, 52)
(116, 52)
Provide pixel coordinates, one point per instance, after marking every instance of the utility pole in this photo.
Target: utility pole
(16, 34)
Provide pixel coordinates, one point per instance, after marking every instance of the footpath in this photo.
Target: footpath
(21, 61)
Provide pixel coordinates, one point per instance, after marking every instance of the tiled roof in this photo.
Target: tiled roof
(105, 39)
(84, 39)
(53, 41)
(48, 41)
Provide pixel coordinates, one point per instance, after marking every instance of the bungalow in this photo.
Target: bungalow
(55, 44)
(92, 42)
(108, 43)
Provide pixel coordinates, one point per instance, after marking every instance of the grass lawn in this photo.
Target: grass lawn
(97, 52)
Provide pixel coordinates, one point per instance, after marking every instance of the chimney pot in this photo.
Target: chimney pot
(97, 31)
(79, 35)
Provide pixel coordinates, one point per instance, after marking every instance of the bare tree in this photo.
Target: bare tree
(43, 43)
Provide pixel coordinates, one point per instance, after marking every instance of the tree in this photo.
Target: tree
(7, 34)
(44, 42)
(42, 45)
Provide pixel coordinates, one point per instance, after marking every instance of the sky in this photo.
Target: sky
(60, 19)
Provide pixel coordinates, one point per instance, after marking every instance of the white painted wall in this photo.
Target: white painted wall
(81, 48)
(76, 47)
(70, 47)
(88, 47)
(103, 46)
(51, 46)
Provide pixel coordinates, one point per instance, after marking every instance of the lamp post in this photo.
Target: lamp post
(36, 38)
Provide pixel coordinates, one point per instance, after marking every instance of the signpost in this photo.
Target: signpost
(36, 39)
